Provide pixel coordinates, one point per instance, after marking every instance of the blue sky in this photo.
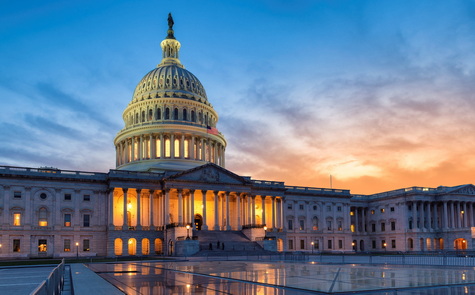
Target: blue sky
(379, 94)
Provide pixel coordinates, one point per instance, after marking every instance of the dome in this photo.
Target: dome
(170, 80)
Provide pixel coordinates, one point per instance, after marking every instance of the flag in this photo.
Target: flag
(212, 130)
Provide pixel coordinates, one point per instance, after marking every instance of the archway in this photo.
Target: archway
(158, 246)
(198, 221)
(361, 245)
(118, 247)
(460, 244)
(132, 246)
(145, 247)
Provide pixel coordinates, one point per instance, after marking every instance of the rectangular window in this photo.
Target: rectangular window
(289, 206)
(393, 244)
(16, 219)
(383, 226)
(338, 208)
(17, 195)
(86, 198)
(392, 209)
(301, 207)
(372, 212)
(86, 220)
(67, 197)
(373, 227)
(16, 245)
(340, 225)
(67, 219)
(302, 244)
(329, 208)
(329, 225)
(290, 224)
(302, 224)
(329, 244)
(373, 244)
(393, 225)
(67, 245)
(42, 246)
(177, 148)
(340, 244)
(410, 223)
(85, 245)
(291, 244)
(382, 210)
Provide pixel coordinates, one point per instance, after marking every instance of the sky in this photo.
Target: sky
(378, 94)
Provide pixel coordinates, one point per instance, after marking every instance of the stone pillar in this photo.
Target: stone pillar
(357, 226)
(464, 216)
(192, 148)
(153, 148)
(141, 150)
(451, 213)
(139, 215)
(180, 207)
(459, 217)
(165, 208)
(239, 212)
(205, 225)
(182, 146)
(162, 147)
(249, 210)
(110, 215)
(281, 215)
(274, 204)
(423, 215)
(216, 210)
(253, 211)
(125, 225)
(445, 223)
(414, 216)
(192, 208)
(263, 202)
(133, 148)
(172, 146)
(202, 149)
(228, 219)
(150, 208)
(429, 216)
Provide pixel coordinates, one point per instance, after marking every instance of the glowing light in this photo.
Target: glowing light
(129, 206)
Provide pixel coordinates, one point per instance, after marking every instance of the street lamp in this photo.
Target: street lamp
(265, 232)
(385, 249)
(187, 231)
(313, 246)
(77, 250)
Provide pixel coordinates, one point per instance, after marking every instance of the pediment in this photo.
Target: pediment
(209, 173)
(468, 189)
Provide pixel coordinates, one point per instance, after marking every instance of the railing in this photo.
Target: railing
(54, 282)
(247, 226)
(316, 189)
(50, 171)
(417, 189)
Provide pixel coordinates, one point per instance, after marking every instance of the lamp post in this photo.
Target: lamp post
(313, 243)
(77, 250)
(385, 249)
(187, 231)
(265, 232)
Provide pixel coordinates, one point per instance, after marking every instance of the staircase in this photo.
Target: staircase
(235, 242)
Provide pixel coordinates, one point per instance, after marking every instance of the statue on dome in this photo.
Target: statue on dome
(170, 21)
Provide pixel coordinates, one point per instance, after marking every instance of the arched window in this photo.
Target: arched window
(118, 247)
(193, 116)
(167, 114)
(150, 115)
(185, 115)
(206, 119)
(177, 148)
(167, 148)
(186, 148)
(200, 117)
(136, 118)
(143, 116)
(159, 114)
(145, 247)
(175, 114)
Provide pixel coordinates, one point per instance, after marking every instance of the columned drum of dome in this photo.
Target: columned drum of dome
(169, 124)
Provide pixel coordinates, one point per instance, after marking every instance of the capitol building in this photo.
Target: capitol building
(171, 194)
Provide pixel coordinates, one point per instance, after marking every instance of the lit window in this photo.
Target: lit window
(16, 245)
(177, 148)
(186, 148)
(85, 246)
(167, 148)
(43, 215)
(352, 228)
(42, 246)
(67, 219)
(157, 148)
(382, 210)
(352, 213)
(372, 211)
(16, 219)
(43, 223)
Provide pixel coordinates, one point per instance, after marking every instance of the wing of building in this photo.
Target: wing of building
(171, 194)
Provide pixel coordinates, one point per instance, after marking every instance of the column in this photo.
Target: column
(139, 215)
(125, 225)
(465, 213)
(162, 147)
(357, 227)
(111, 208)
(166, 204)
(150, 208)
(202, 149)
(205, 225)
(253, 209)
(281, 215)
(141, 149)
(238, 205)
(133, 149)
(429, 216)
(458, 216)
(273, 212)
(192, 208)
(182, 146)
(423, 213)
(263, 204)
(192, 148)
(445, 223)
(153, 146)
(248, 210)
(172, 146)
(363, 213)
(180, 207)
(228, 219)
(414, 216)
(216, 210)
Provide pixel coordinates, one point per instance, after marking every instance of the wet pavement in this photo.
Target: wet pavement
(259, 277)
(22, 280)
